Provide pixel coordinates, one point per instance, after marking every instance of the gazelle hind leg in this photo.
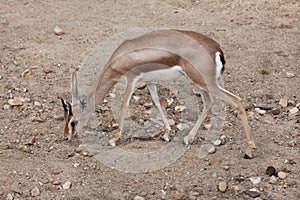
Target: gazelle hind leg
(153, 92)
(131, 83)
(237, 103)
(207, 105)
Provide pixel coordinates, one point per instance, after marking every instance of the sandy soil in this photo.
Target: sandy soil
(261, 43)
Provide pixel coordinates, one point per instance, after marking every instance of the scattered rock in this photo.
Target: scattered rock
(293, 110)
(252, 193)
(275, 111)
(171, 122)
(290, 162)
(180, 196)
(271, 171)
(273, 179)
(58, 31)
(37, 119)
(52, 188)
(290, 75)
(58, 114)
(210, 148)
(6, 107)
(196, 193)
(281, 175)
(9, 196)
(35, 192)
(267, 106)
(235, 189)
(29, 140)
(180, 108)
(214, 175)
(47, 70)
(164, 103)
(283, 102)
(239, 178)
(182, 126)
(138, 198)
(76, 165)
(67, 185)
(255, 180)
(206, 126)
(259, 111)
(294, 133)
(222, 186)
(25, 73)
(292, 143)
(15, 102)
(213, 161)
(281, 53)
(217, 142)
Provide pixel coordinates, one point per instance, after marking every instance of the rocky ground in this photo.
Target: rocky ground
(261, 43)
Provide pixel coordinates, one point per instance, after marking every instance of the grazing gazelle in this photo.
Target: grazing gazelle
(158, 55)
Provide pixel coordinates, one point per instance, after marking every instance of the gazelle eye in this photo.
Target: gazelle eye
(74, 123)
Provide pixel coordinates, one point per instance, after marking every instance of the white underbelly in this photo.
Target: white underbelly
(168, 74)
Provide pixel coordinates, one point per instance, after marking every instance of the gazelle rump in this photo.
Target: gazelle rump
(159, 55)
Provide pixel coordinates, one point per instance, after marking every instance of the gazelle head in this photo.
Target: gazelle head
(72, 111)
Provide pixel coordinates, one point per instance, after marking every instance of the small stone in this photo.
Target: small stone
(138, 198)
(9, 196)
(290, 162)
(275, 111)
(273, 179)
(214, 175)
(281, 53)
(6, 107)
(67, 185)
(15, 102)
(37, 119)
(290, 75)
(294, 133)
(283, 102)
(171, 122)
(292, 143)
(259, 111)
(211, 149)
(271, 171)
(267, 106)
(180, 196)
(281, 175)
(76, 165)
(255, 180)
(148, 105)
(182, 126)
(180, 108)
(29, 140)
(37, 104)
(57, 182)
(47, 70)
(207, 126)
(222, 186)
(239, 178)
(35, 192)
(226, 167)
(164, 103)
(213, 161)
(58, 114)
(52, 188)
(58, 31)
(293, 110)
(217, 142)
(252, 193)
(27, 72)
(235, 189)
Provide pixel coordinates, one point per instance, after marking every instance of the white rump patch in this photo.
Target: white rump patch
(219, 64)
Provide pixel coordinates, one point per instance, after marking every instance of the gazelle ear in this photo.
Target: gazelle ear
(74, 88)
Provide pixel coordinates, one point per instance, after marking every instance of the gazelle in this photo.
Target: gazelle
(158, 55)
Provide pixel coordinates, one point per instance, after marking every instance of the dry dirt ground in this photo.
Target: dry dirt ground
(261, 43)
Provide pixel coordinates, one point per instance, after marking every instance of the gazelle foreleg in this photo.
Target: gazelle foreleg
(154, 95)
(130, 87)
(207, 105)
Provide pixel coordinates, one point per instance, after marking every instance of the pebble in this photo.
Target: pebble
(67, 185)
(180, 108)
(294, 133)
(273, 179)
(235, 189)
(6, 107)
(281, 175)
(255, 180)
(29, 140)
(15, 102)
(271, 171)
(217, 142)
(252, 193)
(222, 186)
(171, 122)
(76, 165)
(211, 149)
(58, 31)
(207, 126)
(283, 102)
(138, 198)
(52, 188)
(182, 126)
(290, 162)
(136, 98)
(290, 75)
(293, 110)
(259, 111)
(9, 196)
(37, 119)
(35, 192)
(25, 73)
(180, 196)
(141, 85)
(275, 111)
